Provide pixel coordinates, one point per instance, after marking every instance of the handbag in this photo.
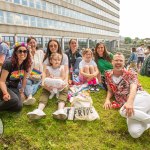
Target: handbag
(81, 113)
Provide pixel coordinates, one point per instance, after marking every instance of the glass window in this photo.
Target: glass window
(18, 19)
(45, 23)
(9, 17)
(17, 1)
(38, 4)
(31, 3)
(82, 43)
(33, 21)
(39, 22)
(44, 5)
(25, 20)
(25, 2)
(1, 17)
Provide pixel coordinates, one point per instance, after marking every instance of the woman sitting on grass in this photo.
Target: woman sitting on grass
(13, 78)
(35, 77)
(52, 47)
(103, 59)
(88, 70)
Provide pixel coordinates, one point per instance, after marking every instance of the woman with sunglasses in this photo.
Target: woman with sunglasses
(52, 47)
(13, 78)
(35, 77)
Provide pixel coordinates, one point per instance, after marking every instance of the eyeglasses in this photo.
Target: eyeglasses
(22, 51)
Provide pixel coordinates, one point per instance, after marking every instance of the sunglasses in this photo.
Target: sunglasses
(22, 51)
(53, 46)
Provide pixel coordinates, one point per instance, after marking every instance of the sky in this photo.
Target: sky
(135, 18)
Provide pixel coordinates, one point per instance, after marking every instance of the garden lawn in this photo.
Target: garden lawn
(108, 133)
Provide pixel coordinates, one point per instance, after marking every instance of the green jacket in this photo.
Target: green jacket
(145, 70)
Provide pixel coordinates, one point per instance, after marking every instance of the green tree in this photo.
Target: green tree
(127, 40)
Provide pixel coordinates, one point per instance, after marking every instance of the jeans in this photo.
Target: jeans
(31, 87)
(15, 102)
(140, 121)
(76, 65)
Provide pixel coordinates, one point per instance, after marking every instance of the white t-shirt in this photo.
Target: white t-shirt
(37, 60)
(140, 52)
(56, 72)
(84, 63)
(64, 60)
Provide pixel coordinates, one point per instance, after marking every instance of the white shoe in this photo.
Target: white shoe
(60, 114)
(36, 114)
(51, 96)
(29, 101)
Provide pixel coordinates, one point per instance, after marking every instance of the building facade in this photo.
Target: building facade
(89, 21)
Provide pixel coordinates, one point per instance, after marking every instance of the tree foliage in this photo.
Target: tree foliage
(127, 40)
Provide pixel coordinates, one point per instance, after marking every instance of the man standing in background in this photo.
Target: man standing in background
(140, 54)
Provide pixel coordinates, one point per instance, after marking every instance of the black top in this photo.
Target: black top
(72, 57)
(15, 75)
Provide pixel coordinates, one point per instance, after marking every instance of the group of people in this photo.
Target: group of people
(139, 60)
(28, 68)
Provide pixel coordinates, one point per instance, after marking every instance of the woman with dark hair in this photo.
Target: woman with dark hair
(103, 59)
(13, 78)
(74, 57)
(53, 47)
(35, 76)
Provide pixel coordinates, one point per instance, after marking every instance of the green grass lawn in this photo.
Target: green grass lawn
(108, 133)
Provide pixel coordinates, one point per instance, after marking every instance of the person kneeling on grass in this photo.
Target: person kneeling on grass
(53, 47)
(128, 93)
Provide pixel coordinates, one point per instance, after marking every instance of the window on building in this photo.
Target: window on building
(39, 42)
(92, 43)
(66, 43)
(17, 1)
(25, 2)
(31, 3)
(1, 17)
(39, 22)
(33, 21)
(44, 5)
(9, 39)
(10, 17)
(25, 20)
(18, 19)
(38, 4)
(82, 43)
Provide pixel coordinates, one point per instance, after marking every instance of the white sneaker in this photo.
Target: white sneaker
(36, 114)
(60, 114)
(57, 95)
(29, 101)
(51, 96)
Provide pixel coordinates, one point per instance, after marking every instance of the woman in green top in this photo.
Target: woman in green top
(103, 59)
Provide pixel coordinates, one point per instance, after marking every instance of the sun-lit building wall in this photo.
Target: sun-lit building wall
(62, 19)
